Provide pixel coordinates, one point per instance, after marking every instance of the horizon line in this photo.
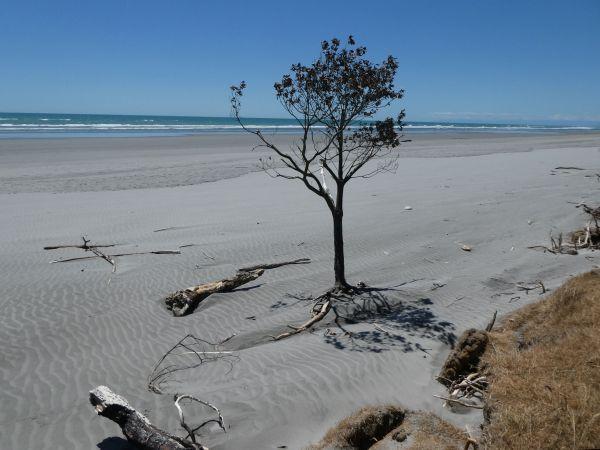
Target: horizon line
(482, 121)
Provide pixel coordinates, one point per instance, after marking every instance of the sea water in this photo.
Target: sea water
(27, 125)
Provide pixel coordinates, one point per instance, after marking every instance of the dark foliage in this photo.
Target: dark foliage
(333, 100)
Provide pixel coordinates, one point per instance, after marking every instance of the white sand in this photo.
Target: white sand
(64, 331)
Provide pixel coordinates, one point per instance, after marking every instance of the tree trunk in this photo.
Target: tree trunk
(338, 246)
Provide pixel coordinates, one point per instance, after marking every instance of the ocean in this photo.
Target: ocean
(28, 125)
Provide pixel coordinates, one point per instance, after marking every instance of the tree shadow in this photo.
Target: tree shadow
(392, 322)
(115, 443)
(247, 288)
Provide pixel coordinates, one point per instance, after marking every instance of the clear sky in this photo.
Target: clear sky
(507, 61)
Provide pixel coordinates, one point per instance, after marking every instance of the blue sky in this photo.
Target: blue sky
(503, 61)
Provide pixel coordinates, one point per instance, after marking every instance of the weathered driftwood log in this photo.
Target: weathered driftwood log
(135, 426)
(184, 302)
(464, 359)
(275, 265)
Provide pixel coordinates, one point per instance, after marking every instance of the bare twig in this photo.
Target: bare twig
(538, 285)
(459, 402)
(177, 359)
(275, 265)
(490, 325)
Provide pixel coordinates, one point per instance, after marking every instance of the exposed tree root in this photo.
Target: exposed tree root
(320, 310)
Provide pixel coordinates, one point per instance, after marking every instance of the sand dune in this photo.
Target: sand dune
(65, 329)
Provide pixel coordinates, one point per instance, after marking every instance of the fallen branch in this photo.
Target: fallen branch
(134, 425)
(541, 247)
(319, 315)
(568, 168)
(274, 265)
(184, 302)
(156, 252)
(557, 246)
(86, 246)
(83, 246)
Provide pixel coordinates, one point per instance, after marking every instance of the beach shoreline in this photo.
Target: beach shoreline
(113, 163)
(67, 329)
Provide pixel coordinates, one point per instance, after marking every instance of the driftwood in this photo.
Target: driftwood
(459, 402)
(156, 252)
(135, 426)
(558, 246)
(594, 214)
(185, 301)
(274, 265)
(84, 246)
(472, 386)
(94, 248)
(586, 238)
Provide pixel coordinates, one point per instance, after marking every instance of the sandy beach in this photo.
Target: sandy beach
(66, 329)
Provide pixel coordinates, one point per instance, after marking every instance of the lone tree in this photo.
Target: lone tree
(334, 100)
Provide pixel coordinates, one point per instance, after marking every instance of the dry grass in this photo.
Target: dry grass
(426, 431)
(363, 428)
(544, 372)
(391, 427)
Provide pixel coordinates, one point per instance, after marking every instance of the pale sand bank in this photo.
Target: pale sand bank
(64, 331)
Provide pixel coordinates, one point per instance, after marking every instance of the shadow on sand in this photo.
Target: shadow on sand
(115, 443)
(390, 320)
